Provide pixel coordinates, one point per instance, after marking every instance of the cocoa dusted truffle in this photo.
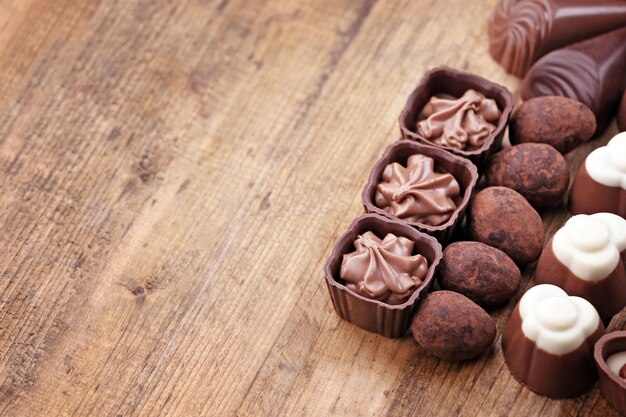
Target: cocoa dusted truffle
(483, 274)
(385, 270)
(548, 342)
(502, 218)
(584, 258)
(535, 170)
(459, 123)
(418, 193)
(452, 327)
(560, 122)
(600, 185)
(521, 31)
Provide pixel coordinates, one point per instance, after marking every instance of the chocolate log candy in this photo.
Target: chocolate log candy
(417, 192)
(483, 274)
(600, 185)
(351, 297)
(502, 218)
(452, 327)
(621, 114)
(610, 357)
(383, 269)
(548, 342)
(521, 31)
(592, 72)
(584, 259)
(560, 122)
(425, 186)
(447, 108)
(459, 123)
(535, 170)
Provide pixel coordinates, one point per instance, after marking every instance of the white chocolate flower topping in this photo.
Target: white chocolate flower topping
(555, 321)
(607, 165)
(590, 245)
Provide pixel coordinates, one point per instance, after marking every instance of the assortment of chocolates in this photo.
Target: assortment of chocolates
(380, 273)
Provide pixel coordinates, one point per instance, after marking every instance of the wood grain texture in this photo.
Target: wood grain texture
(173, 177)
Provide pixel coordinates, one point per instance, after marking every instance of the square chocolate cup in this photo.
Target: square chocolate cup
(613, 387)
(373, 315)
(452, 82)
(461, 169)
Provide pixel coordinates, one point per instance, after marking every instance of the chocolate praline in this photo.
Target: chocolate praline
(612, 384)
(370, 314)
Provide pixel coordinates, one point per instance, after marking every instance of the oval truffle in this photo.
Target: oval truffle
(483, 274)
(560, 122)
(502, 218)
(452, 327)
(535, 170)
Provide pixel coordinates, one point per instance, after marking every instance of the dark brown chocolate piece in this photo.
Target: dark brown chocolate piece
(502, 218)
(608, 295)
(452, 327)
(553, 375)
(592, 71)
(450, 83)
(463, 171)
(460, 123)
(521, 31)
(418, 193)
(612, 386)
(483, 274)
(621, 114)
(373, 315)
(535, 170)
(560, 122)
(383, 269)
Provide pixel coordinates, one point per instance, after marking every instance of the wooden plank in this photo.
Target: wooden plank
(174, 175)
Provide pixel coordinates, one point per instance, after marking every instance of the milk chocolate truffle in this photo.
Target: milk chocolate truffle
(418, 192)
(425, 186)
(447, 107)
(621, 115)
(535, 170)
(610, 357)
(592, 72)
(388, 272)
(459, 123)
(483, 274)
(548, 342)
(560, 122)
(521, 31)
(384, 270)
(502, 218)
(584, 259)
(600, 185)
(452, 327)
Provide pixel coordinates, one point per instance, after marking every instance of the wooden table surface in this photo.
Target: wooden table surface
(173, 177)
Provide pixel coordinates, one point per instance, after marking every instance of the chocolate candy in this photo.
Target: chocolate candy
(459, 123)
(383, 269)
(450, 85)
(483, 274)
(621, 114)
(521, 31)
(452, 327)
(560, 122)
(610, 357)
(431, 194)
(584, 258)
(418, 193)
(592, 72)
(502, 218)
(390, 320)
(548, 342)
(535, 170)
(600, 185)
